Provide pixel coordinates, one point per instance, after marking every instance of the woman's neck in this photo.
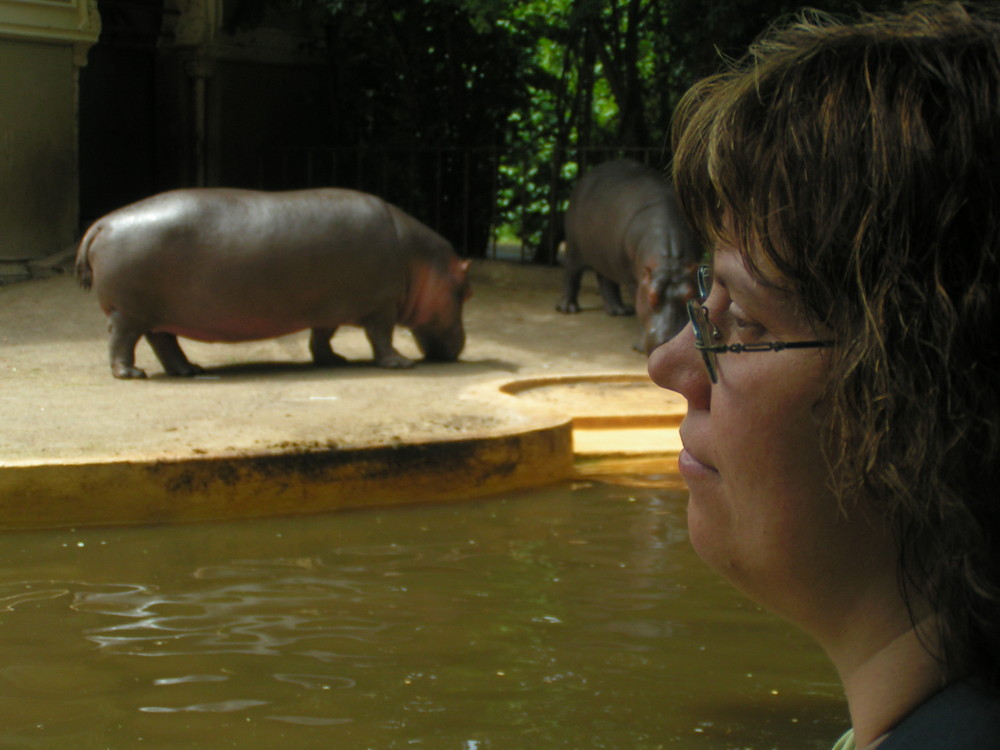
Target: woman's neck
(884, 684)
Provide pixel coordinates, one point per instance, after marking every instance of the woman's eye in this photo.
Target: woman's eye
(744, 328)
(745, 323)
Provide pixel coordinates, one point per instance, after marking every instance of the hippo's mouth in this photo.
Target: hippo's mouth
(440, 349)
(664, 326)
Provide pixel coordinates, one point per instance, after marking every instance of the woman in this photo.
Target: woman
(842, 369)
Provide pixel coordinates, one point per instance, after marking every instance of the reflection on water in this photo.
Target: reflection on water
(572, 618)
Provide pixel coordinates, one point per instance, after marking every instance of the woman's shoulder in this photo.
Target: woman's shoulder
(960, 717)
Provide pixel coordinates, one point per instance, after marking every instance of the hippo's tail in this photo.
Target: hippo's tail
(84, 273)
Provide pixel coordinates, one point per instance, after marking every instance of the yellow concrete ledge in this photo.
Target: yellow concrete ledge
(151, 491)
(608, 426)
(615, 416)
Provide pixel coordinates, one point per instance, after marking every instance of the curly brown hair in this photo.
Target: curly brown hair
(857, 165)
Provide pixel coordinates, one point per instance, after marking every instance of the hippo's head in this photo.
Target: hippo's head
(661, 304)
(438, 329)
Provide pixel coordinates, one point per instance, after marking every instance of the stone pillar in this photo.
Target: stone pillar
(193, 40)
(200, 70)
(42, 46)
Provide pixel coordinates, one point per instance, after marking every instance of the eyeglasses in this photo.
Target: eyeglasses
(705, 331)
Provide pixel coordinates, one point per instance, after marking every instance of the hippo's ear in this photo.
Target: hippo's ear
(655, 299)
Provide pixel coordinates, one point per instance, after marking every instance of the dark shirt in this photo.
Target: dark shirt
(960, 717)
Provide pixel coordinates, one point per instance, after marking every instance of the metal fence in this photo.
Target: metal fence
(467, 194)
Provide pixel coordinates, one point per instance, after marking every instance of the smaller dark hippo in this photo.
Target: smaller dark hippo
(623, 222)
(217, 264)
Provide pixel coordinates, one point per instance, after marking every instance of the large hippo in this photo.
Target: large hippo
(238, 265)
(623, 222)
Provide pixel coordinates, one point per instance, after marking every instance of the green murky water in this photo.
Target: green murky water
(576, 617)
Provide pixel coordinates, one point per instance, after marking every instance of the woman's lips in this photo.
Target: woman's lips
(691, 468)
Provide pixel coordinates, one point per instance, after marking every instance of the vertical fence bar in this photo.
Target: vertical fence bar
(438, 183)
(466, 199)
(494, 200)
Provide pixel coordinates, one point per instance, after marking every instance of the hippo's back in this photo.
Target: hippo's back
(602, 206)
(622, 185)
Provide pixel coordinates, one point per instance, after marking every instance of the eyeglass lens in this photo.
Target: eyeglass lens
(701, 326)
(704, 281)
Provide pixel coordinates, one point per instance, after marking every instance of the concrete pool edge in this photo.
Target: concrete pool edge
(210, 488)
(638, 424)
(541, 444)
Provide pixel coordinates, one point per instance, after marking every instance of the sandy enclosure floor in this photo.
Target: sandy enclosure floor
(59, 400)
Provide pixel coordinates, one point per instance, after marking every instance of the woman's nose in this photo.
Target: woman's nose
(677, 366)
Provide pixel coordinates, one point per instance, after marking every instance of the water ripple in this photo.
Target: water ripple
(263, 617)
(205, 708)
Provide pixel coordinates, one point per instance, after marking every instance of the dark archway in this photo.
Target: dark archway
(119, 121)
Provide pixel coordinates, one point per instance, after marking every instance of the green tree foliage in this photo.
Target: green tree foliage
(422, 74)
(422, 92)
(588, 84)
(464, 101)
(604, 79)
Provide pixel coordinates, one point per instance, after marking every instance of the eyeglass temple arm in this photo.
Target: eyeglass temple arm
(770, 346)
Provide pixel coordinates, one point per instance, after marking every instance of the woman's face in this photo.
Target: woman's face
(760, 510)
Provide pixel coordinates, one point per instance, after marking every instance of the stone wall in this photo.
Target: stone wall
(42, 45)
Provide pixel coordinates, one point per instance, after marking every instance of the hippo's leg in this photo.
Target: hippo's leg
(571, 288)
(611, 294)
(320, 348)
(631, 289)
(378, 329)
(171, 356)
(125, 334)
